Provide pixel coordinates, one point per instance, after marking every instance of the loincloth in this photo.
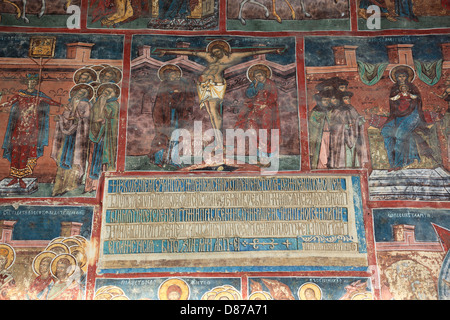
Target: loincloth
(210, 90)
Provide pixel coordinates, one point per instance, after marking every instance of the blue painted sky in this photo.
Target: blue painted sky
(319, 52)
(106, 46)
(201, 42)
(384, 219)
(44, 223)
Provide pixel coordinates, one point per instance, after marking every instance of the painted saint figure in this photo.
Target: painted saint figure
(405, 9)
(261, 108)
(7, 282)
(27, 131)
(445, 121)
(173, 105)
(103, 129)
(41, 267)
(347, 144)
(211, 85)
(85, 75)
(176, 9)
(446, 93)
(70, 145)
(406, 116)
(319, 130)
(65, 285)
(365, 4)
(174, 289)
(115, 12)
(110, 75)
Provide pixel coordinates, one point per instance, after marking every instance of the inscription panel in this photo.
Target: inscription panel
(296, 222)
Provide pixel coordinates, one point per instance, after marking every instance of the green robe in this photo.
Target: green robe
(105, 131)
(317, 120)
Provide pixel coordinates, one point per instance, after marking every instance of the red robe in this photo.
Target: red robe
(63, 291)
(261, 112)
(172, 107)
(7, 285)
(27, 131)
(38, 285)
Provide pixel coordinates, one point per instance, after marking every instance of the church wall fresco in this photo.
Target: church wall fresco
(224, 150)
(412, 247)
(73, 76)
(366, 74)
(147, 119)
(404, 14)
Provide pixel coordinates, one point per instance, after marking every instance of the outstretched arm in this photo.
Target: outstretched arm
(162, 52)
(256, 51)
(7, 104)
(50, 101)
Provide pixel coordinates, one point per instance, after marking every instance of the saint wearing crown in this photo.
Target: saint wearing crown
(27, 130)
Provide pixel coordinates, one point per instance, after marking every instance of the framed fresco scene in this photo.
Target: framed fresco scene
(236, 150)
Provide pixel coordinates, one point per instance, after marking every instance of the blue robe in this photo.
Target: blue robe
(68, 148)
(399, 130)
(399, 140)
(172, 9)
(404, 8)
(364, 4)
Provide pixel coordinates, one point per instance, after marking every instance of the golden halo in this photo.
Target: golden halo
(95, 85)
(103, 296)
(115, 291)
(72, 261)
(165, 288)
(103, 86)
(221, 43)
(362, 296)
(79, 72)
(57, 239)
(100, 290)
(38, 259)
(10, 254)
(88, 87)
(260, 295)
(218, 289)
(309, 285)
(103, 289)
(224, 294)
(110, 291)
(84, 242)
(268, 295)
(258, 67)
(80, 255)
(116, 71)
(122, 297)
(402, 67)
(166, 68)
(234, 292)
(97, 68)
(80, 238)
(227, 286)
(208, 295)
(71, 241)
(58, 247)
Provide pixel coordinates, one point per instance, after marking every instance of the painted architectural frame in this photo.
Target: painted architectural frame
(224, 150)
